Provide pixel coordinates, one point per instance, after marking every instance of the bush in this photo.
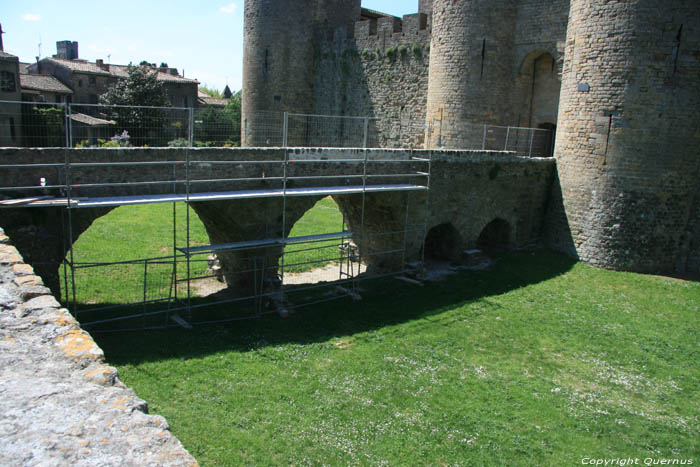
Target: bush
(417, 49)
(178, 143)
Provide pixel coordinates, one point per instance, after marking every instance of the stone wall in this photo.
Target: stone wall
(61, 404)
(468, 189)
(280, 46)
(539, 55)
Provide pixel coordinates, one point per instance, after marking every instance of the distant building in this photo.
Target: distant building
(10, 90)
(88, 80)
(204, 99)
(43, 88)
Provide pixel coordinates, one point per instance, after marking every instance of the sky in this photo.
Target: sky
(202, 39)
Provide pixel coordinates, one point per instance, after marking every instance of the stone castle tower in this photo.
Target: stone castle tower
(628, 136)
(279, 51)
(618, 80)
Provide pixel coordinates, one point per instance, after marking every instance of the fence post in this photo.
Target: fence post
(190, 127)
(505, 148)
(483, 139)
(69, 124)
(532, 136)
(285, 130)
(366, 129)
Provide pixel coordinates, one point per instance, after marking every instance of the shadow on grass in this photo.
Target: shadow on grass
(385, 302)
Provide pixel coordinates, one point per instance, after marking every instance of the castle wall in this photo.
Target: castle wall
(379, 71)
(627, 141)
(426, 6)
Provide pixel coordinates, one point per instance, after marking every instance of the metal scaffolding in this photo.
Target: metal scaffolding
(256, 268)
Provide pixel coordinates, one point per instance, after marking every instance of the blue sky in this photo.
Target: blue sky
(205, 39)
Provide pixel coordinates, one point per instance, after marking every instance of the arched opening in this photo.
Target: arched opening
(316, 256)
(538, 86)
(126, 256)
(443, 242)
(495, 236)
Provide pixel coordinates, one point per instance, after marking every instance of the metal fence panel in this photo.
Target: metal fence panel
(31, 124)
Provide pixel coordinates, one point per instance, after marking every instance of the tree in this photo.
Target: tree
(215, 126)
(140, 88)
(213, 92)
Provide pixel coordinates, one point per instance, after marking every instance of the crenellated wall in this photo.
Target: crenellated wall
(381, 71)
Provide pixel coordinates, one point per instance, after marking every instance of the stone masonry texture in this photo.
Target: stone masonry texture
(469, 189)
(628, 139)
(618, 80)
(60, 404)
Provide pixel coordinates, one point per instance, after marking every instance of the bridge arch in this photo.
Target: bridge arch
(443, 242)
(496, 235)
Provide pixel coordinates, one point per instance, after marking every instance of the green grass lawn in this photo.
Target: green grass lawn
(324, 217)
(140, 232)
(539, 361)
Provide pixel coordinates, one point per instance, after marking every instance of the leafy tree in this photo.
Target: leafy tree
(211, 91)
(140, 88)
(43, 126)
(216, 126)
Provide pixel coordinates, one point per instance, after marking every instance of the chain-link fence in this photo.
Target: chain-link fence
(453, 134)
(34, 124)
(279, 129)
(29, 124)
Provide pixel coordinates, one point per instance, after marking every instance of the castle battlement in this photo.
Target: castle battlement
(410, 26)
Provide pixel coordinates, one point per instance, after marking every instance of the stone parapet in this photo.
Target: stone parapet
(61, 403)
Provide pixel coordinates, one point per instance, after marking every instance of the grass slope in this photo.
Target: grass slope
(540, 361)
(324, 217)
(139, 232)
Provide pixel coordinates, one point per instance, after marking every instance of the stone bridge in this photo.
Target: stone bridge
(474, 196)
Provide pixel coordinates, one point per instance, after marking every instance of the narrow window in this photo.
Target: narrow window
(7, 81)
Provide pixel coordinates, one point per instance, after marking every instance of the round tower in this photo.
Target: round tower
(471, 61)
(280, 48)
(627, 144)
